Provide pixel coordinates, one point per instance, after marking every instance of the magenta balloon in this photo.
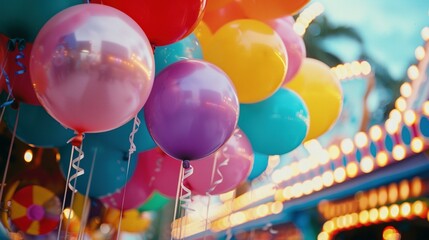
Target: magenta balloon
(160, 171)
(294, 43)
(92, 68)
(136, 192)
(238, 155)
(192, 109)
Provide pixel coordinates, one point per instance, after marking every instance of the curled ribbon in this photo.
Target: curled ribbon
(269, 227)
(136, 126)
(75, 164)
(11, 99)
(185, 199)
(218, 172)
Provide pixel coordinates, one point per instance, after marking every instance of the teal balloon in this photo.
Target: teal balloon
(109, 171)
(260, 164)
(36, 127)
(119, 137)
(276, 125)
(187, 48)
(155, 202)
(25, 18)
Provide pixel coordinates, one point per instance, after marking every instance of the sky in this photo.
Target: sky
(390, 29)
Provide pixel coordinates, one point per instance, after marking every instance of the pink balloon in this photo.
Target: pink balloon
(19, 76)
(92, 68)
(294, 43)
(160, 171)
(238, 156)
(137, 192)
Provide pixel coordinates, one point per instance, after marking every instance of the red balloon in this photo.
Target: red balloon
(3, 51)
(160, 171)
(136, 193)
(233, 160)
(18, 69)
(163, 21)
(216, 18)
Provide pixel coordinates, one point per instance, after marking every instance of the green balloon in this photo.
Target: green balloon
(155, 202)
(25, 18)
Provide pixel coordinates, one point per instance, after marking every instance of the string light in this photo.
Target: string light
(416, 145)
(413, 72)
(420, 53)
(398, 152)
(375, 133)
(361, 139)
(347, 146)
(28, 156)
(406, 89)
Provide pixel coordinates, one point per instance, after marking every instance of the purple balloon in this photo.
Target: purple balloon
(192, 109)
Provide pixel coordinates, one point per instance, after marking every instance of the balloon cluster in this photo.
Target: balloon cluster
(226, 83)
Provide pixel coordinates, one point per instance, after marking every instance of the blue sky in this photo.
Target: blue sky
(390, 29)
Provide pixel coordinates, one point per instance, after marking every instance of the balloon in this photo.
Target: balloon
(237, 153)
(276, 125)
(19, 76)
(260, 164)
(187, 48)
(132, 221)
(24, 19)
(136, 191)
(109, 172)
(192, 109)
(321, 91)
(155, 202)
(119, 137)
(164, 21)
(215, 4)
(294, 44)
(204, 36)
(269, 9)
(3, 54)
(160, 171)
(252, 55)
(86, 73)
(36, 127)
(216, 18)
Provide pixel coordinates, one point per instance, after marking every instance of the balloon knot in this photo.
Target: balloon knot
(186, 164)
(13, 43)
(77, 140)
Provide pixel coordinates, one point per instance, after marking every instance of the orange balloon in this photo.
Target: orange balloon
(215, 4)
(269, 9)
(204, 36)
(216, 18)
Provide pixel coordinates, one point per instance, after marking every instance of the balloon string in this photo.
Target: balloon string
(65, 193)
(85, 210)
(10, 98)
(132, 149)
(219, 173)
(6, 169)
(185, 197)
(76, 166)
(231, 207)
(176, 204)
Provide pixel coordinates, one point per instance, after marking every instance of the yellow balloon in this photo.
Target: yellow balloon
(132, 221)
(253, 56)
(321, 91)
(204, 36)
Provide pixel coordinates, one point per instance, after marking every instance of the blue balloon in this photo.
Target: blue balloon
(109, 172)
(187, 48)
(259, 166)
(119, 137)
(276, 125)
(36, 127)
